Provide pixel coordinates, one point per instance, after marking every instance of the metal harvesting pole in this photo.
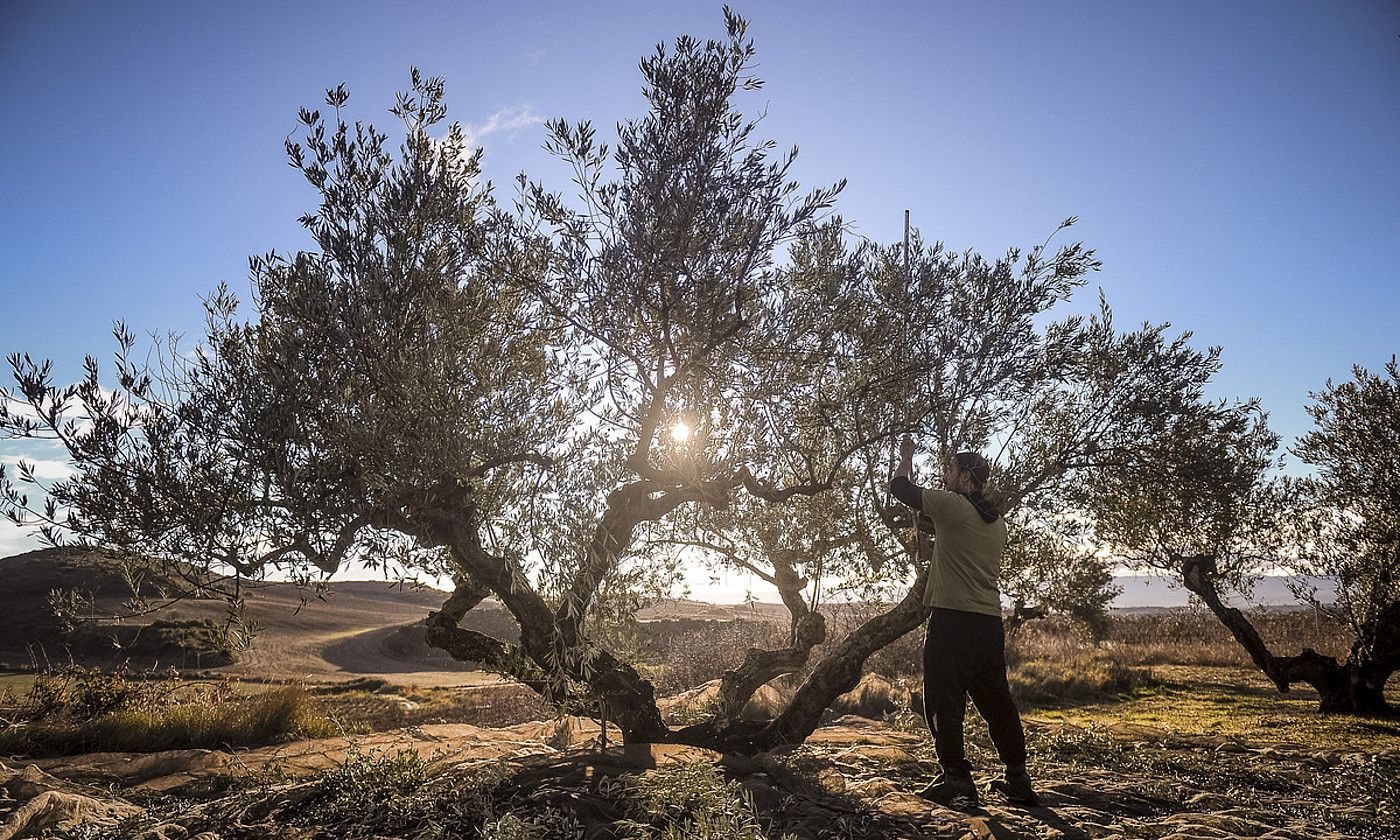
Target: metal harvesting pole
(908, 303)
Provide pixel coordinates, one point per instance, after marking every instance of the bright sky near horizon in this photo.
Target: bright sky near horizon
(1236, 165)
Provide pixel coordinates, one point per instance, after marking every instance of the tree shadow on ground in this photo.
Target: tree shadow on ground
(808, 801)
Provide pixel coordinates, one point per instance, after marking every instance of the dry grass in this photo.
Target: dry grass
(1195, 637)
(83, 710)
(1052, 662)
(1043, 683)
(261, 719)
(1049, 664)
(374, 705)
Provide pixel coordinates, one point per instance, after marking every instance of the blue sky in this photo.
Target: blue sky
(1237, 165)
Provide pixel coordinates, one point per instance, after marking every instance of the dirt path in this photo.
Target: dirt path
(362, 629)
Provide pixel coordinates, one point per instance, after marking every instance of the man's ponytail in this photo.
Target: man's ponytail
(977, 467)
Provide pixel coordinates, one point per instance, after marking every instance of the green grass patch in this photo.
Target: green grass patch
(1236, 703)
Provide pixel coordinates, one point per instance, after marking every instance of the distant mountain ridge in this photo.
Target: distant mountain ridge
(1270, 591)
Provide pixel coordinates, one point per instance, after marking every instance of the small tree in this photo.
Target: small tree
(1196, 502)
(1351, 529)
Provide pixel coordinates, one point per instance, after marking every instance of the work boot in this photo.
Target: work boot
(1015, 785)
(950, 787)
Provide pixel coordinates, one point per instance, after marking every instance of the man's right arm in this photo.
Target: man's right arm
(902, 485)
(907, 492)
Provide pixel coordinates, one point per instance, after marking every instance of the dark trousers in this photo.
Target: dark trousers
(965, 656)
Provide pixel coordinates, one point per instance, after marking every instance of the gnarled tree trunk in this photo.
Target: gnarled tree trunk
(629, 696)
(549, 646)
(808, 629)
(838, 672)
(1356, 686)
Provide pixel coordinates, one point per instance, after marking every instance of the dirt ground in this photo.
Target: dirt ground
(1199, 751)
(854, 778)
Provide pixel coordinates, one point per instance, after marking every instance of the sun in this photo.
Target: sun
(680, 432)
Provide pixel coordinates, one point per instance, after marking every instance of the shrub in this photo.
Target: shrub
(205, 640)
(79, 694)
(694, 657)
(684, 802)
(183, 642)
(398, 794)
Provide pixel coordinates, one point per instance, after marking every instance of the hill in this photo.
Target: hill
(357, 629)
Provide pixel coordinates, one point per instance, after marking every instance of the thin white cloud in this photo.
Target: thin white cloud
(16, 540)
(45, 469)
(506, 121)
(17, 407)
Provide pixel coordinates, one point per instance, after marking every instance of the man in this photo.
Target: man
(964, 649)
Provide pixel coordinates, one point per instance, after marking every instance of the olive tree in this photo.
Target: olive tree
(867, 343)
(957, 350)
(1197, 502)
(532, 397)
(1349, 518)
(473, 391)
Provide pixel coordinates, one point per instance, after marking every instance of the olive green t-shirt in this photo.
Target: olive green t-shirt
(966, 555)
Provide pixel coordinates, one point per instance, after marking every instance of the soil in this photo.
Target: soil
(854, 778)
